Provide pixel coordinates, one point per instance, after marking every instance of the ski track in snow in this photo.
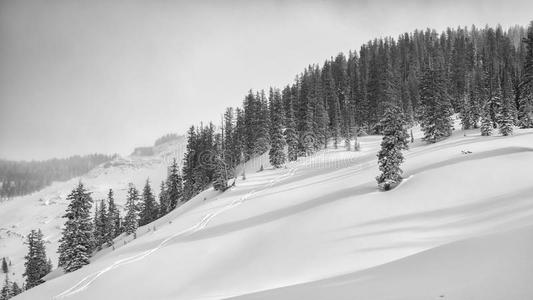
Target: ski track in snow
(88, 280)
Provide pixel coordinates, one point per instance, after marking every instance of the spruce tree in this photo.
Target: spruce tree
(5, 292)
(131, 219)
(390, 156)
(506, 120)
(5, 269)
(486, 123)
(291, 136)
(436, 107)
(174, 186)
(525, 110)
(149, 210)
(100, 225)
(15, 289)
(277, 141)
(36, 265)
(76, 243)
(163, 200)
(113, 219)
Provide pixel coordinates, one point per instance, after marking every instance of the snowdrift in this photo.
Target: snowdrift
(459, 226)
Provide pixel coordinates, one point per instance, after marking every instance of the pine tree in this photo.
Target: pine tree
(291, 136)
(36, 265)
(5, 269)
(436, 107)
(277, 141)
(100, 225)
(390, 156)
(113, 219)
(221, 177)
(163, 200)
(5, 292)
(174, 186)
(506, 120)
(486, 123)
(15, 289)
(131, 219)
(76, 243)
(149, 210)
(525, 110)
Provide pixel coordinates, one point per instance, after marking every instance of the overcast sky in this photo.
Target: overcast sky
(80, 77)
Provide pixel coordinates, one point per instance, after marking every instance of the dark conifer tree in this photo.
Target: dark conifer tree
(149, 210)
(113, 219)
(174, 186)
(131, 219)
(525, 109)
(436, 107)
(77, 243)
(163, 200)
(100, 225)
(390, 156)
(36, 264)
(277, 144)
(5, 269)
(291, 136)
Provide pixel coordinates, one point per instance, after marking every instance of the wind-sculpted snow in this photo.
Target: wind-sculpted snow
(320, 229)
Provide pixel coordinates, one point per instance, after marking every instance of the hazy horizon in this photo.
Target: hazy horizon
(107, 76)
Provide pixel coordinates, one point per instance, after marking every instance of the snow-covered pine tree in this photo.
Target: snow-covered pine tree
(5, 292)
(436, 106)
(525, 109)
(5, 268)
(174, 185)
(506, 119)
(100, 223)
(149, 210)
(131, 219)
(163, 200)
(36, 264)
(15, 289)
(113, 219)
(277, 141)
(291, 136)
(77, 243)
(390, 156)
(486, 123)
(220, 175)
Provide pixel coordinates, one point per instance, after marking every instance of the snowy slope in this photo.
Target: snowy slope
(321, 229)
(44, 208)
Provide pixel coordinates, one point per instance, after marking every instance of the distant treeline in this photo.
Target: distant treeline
(19, 178)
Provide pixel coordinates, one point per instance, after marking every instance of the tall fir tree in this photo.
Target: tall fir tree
(277, 144)
(77, 243)
(5, 268)
(131, 219)
(149, 208)
(113, 225)
(390, 156)
(36, 264)
(291, 136)
(174, 186)
(163, 200)
(436, 107)
(101, 231)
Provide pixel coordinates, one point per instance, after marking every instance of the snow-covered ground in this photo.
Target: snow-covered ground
(458, 227)
(44, 209)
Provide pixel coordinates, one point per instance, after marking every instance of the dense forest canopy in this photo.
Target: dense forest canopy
(23, 177)
(485, 75)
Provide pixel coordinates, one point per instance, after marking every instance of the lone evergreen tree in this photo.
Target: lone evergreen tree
(390, 156)
(76, 243)
(131, 219)
(36, 265)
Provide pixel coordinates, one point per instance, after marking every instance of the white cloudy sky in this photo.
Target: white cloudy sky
(79, 77)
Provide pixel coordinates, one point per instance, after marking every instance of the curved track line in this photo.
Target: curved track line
(86, 281)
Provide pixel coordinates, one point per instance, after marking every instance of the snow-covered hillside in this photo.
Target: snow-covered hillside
(44, 209)
(458, 227)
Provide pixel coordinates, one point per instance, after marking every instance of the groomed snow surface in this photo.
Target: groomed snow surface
(459, 227)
